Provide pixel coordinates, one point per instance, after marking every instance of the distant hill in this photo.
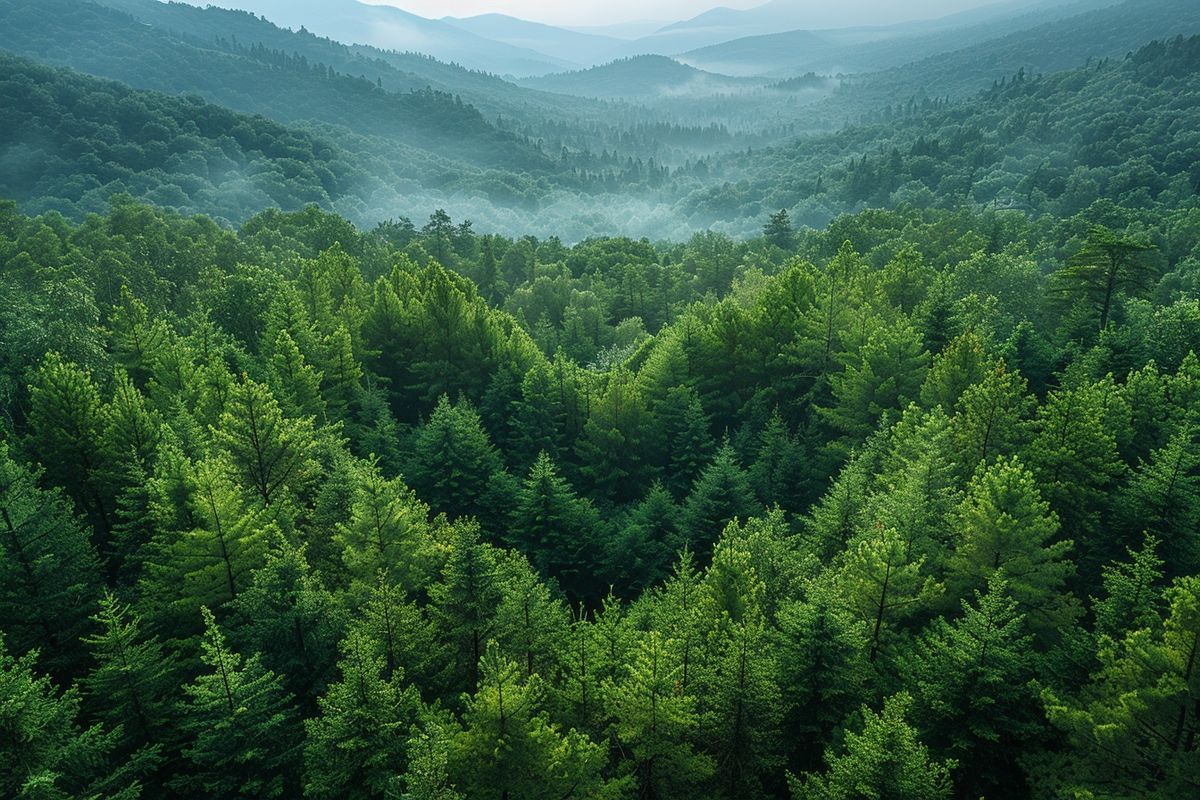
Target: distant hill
(390, 28)
(568, 46)
(641, 77)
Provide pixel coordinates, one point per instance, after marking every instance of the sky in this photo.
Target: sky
(605, 12)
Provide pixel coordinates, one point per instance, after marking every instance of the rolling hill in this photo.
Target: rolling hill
(647, 76)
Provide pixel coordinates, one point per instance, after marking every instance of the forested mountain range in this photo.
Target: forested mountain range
(373, 427)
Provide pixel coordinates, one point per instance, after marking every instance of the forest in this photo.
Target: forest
(881, 480)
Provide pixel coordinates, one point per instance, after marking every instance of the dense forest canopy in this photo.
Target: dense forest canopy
(874, 474)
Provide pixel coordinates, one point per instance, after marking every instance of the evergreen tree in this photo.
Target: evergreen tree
(778, 230)
(1104, 267)
(991, 416)
(270, 454)
(531, 624)
(1004, 527)
(686, 441)
(242, 734)
(295, 382)
(614, 437)
(776, 474)
(655, 722)
(885, 759)
(49, 574)
(1163, 499)
(642, 552)
(464, 603)
(291, 621)
(721, 494)
(355, 746)
(133, 678)
(44, 752)
(454, 463)
(1132, 596)
(428, 775)
(975, 703)
(558, 530)
(509, 748)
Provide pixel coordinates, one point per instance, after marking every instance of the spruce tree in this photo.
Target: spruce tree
(355, 747)
(454, 462)
(721, 494)
(242, 735)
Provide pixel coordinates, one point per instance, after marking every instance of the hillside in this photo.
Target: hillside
(648, 76)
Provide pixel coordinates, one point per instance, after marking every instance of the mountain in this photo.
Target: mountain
(647, 76)
(852, 50)
(391, 28)
(565, 45)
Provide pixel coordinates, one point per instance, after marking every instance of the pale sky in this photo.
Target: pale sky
(603, 12)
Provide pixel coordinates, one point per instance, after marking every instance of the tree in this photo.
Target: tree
(655, 721)
(1105, 266)
(1132, 731)
(971, 678)
(464, 603)
(885, 375)
(509, 748)
(356, 745)
(531, 623)
(559, 531)
(991, 415)
(387, 533)
(778, 230)
(428, 755)
(884, 760)
(1163, 499)
(882, 581)
(686, 441)
(269, 453)
(242, 733)
(640, 554)
(44, 752)
(49, 573)
(721, 494)
(288, 617)
(1132, 596)
(133, 678)
(66, 417)
(1003, 527)
(295, 382)
(614, 437)
(779, 466)
(454, 463)
(822, 651)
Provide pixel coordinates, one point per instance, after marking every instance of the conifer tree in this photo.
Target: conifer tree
(961, 365)
(407, 640)
(687, 444)
(137, 337)
(49, 573)
(721, 494)
(776, 474)
(454, 462)
(558, 530)
(270, 454)
(133, 678)
(1132, 595)
(1003, 526)
(388, 531)
(991, 416)
(656, 721)
(355, 747)
(242, 735)
(288, 617)
(45, 753)
(885, 759)
(531, 624)
(971, 678)
(293, 381)
(428, 775)
(464, 602)
(509, 748)
(1163, 499)
(611, 449)
(649, 541)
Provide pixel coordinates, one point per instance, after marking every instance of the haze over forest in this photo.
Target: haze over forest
(511, 400)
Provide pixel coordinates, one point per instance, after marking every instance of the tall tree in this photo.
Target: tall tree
(242, 734)
(355, 747)
(1107, 265)
(721, 494)
(885, 759)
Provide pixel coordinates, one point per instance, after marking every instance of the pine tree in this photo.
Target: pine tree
(509, 748)
(66, 418)
(642, 552)
(822, 651)
(777, 472)
(1132, 596)
(975, 702)
(133, 678)
(991, 416)
(531, 624)
(655, 721)
(610, 451)
(464, 603)
(242, 734)
(388, 531)
(1163, 499)
(270, 454)
(883, 583)
(1004, 527)
(1104, 267)
(428, 775)
(295, 382)
(408, 641)
(778, 230)
(341, 373)
(961, 365)
(1132, 731)
(885, 759)
(137, 337)
(454, 462)
(49, 573)
(44, 752)
(558, 530)
(288, 617)
(885, 375)
(686, 441)
(355, 747)
(721, 494)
